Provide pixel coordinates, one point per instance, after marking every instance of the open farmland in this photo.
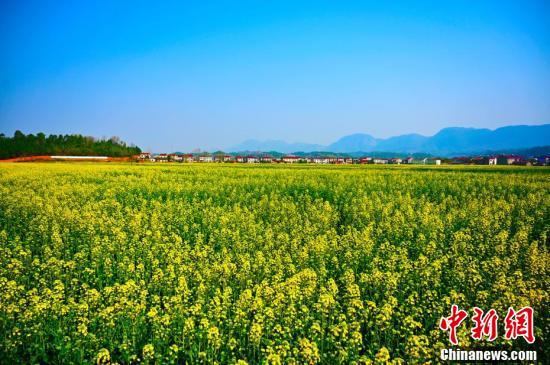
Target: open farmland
(278, 264)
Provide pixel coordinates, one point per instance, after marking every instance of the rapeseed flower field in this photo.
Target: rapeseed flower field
(121, 263)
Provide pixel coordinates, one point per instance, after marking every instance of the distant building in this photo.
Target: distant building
(365, 160)
(266, 159)
(492, 160)
(478, 160)
(508, 159)
(252, 159)
(163, 157)
(379, 161)
(188, 158)
(320, 160)
(432, 161)
(291, 159)
(461, 160)
(342, 160)
(175, 157)
(206, 158)
(408, 160)
(146, 156)
(222, 158)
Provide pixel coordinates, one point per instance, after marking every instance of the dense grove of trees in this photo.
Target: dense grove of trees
(21, 145)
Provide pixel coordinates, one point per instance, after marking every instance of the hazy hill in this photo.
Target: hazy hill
(448, 141)
(354, 142)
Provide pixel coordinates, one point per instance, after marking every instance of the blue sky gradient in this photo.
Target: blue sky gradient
(182, 75)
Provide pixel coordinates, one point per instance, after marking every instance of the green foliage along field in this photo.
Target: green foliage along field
(264, 264)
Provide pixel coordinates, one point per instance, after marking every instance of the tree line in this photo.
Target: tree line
(21, 145)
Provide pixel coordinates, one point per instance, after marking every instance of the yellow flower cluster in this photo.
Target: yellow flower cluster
(121, 263)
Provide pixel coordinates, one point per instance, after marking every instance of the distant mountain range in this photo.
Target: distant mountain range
(447, 142)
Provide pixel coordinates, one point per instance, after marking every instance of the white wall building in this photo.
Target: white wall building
(205, 159)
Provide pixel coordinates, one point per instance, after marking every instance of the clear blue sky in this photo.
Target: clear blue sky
(181, 75)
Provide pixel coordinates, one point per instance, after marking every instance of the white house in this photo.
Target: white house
(511, 159)
(146, 156)
(321, 160)
(291, 159)
(222, 158)
(163, 157)
(175, 157)
(205, 158)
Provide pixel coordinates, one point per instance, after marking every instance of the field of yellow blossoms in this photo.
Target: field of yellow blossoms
(137, 263)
